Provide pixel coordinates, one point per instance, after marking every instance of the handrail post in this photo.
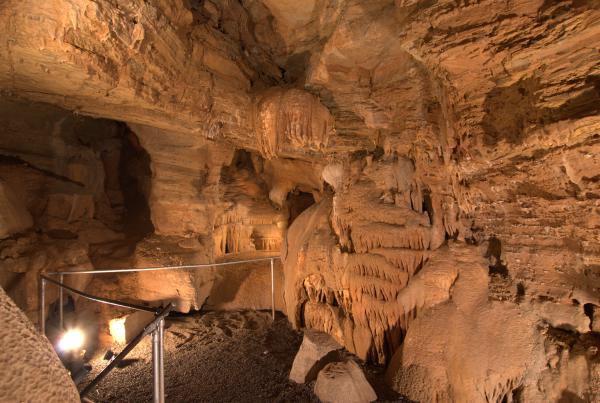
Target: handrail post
(272, 290)
(61, 304)
(161, 359)
(42, 302)
(157, 325)
(158, 362)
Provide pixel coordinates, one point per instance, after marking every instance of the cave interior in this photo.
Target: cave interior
(424, 173)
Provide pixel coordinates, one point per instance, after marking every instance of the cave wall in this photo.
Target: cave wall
(79, 193)
(450, 149)
(54, 171)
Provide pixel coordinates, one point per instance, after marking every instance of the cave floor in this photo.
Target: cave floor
(213, 357)
(234, 356)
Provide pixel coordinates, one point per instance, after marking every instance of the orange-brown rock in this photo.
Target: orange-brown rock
(428, 171)
(31, 367)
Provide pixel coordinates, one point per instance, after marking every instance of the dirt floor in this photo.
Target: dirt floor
(235, 356)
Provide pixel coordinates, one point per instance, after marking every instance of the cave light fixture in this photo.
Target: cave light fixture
(71, 340)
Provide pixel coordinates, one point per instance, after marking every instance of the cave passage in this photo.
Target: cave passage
(298, 201)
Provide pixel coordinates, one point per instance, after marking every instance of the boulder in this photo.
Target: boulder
(343, 382)
(317, 350)
(31, 371)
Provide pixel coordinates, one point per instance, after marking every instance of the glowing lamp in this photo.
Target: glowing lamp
(117, 330)
(71, 340)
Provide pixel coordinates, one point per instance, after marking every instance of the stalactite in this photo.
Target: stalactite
(291, 118)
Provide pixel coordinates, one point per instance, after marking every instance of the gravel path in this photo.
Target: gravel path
(213, 357)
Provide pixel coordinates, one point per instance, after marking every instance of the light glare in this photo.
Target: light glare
(117, 330)
(72, 340)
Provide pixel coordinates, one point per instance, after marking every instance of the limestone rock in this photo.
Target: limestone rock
(239, 286)
(182, 191)
(246, 286)
(418, 370)
(563, 316)
(386, 149)
(13, 216)
(595, 318)
(291, 120)
(31, 368)
(343, 382)
(28, 256)
(516, 363)
(313, 355)
(79, 48)
(331, 291)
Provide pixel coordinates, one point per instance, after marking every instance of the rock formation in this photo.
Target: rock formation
(428, 172)
(31, 367)
(343, 382)
(317, 350)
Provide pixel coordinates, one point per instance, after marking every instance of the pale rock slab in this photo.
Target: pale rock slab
(312, 356)
(344, 382)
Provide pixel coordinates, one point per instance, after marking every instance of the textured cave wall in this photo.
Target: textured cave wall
(438, 140)
(141, 62)
(495, 349)
(55, 171)
(31, 368)
(472, 117)
(79, 193)
(207, 203)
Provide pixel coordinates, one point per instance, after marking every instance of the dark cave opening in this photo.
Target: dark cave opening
(135, 181)
(494, 254)
(298, 201)
(240, 168)
(242, 160)
(427, 206)
(589, 309)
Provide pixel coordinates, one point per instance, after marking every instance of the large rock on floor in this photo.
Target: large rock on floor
(31, 371)
(343, 382)
(317, 350)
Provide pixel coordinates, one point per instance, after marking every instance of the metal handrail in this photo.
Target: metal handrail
(159, 268)
(96, 298)
(156, 327)
(144, 269)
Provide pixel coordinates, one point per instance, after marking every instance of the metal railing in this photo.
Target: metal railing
(155, 327)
